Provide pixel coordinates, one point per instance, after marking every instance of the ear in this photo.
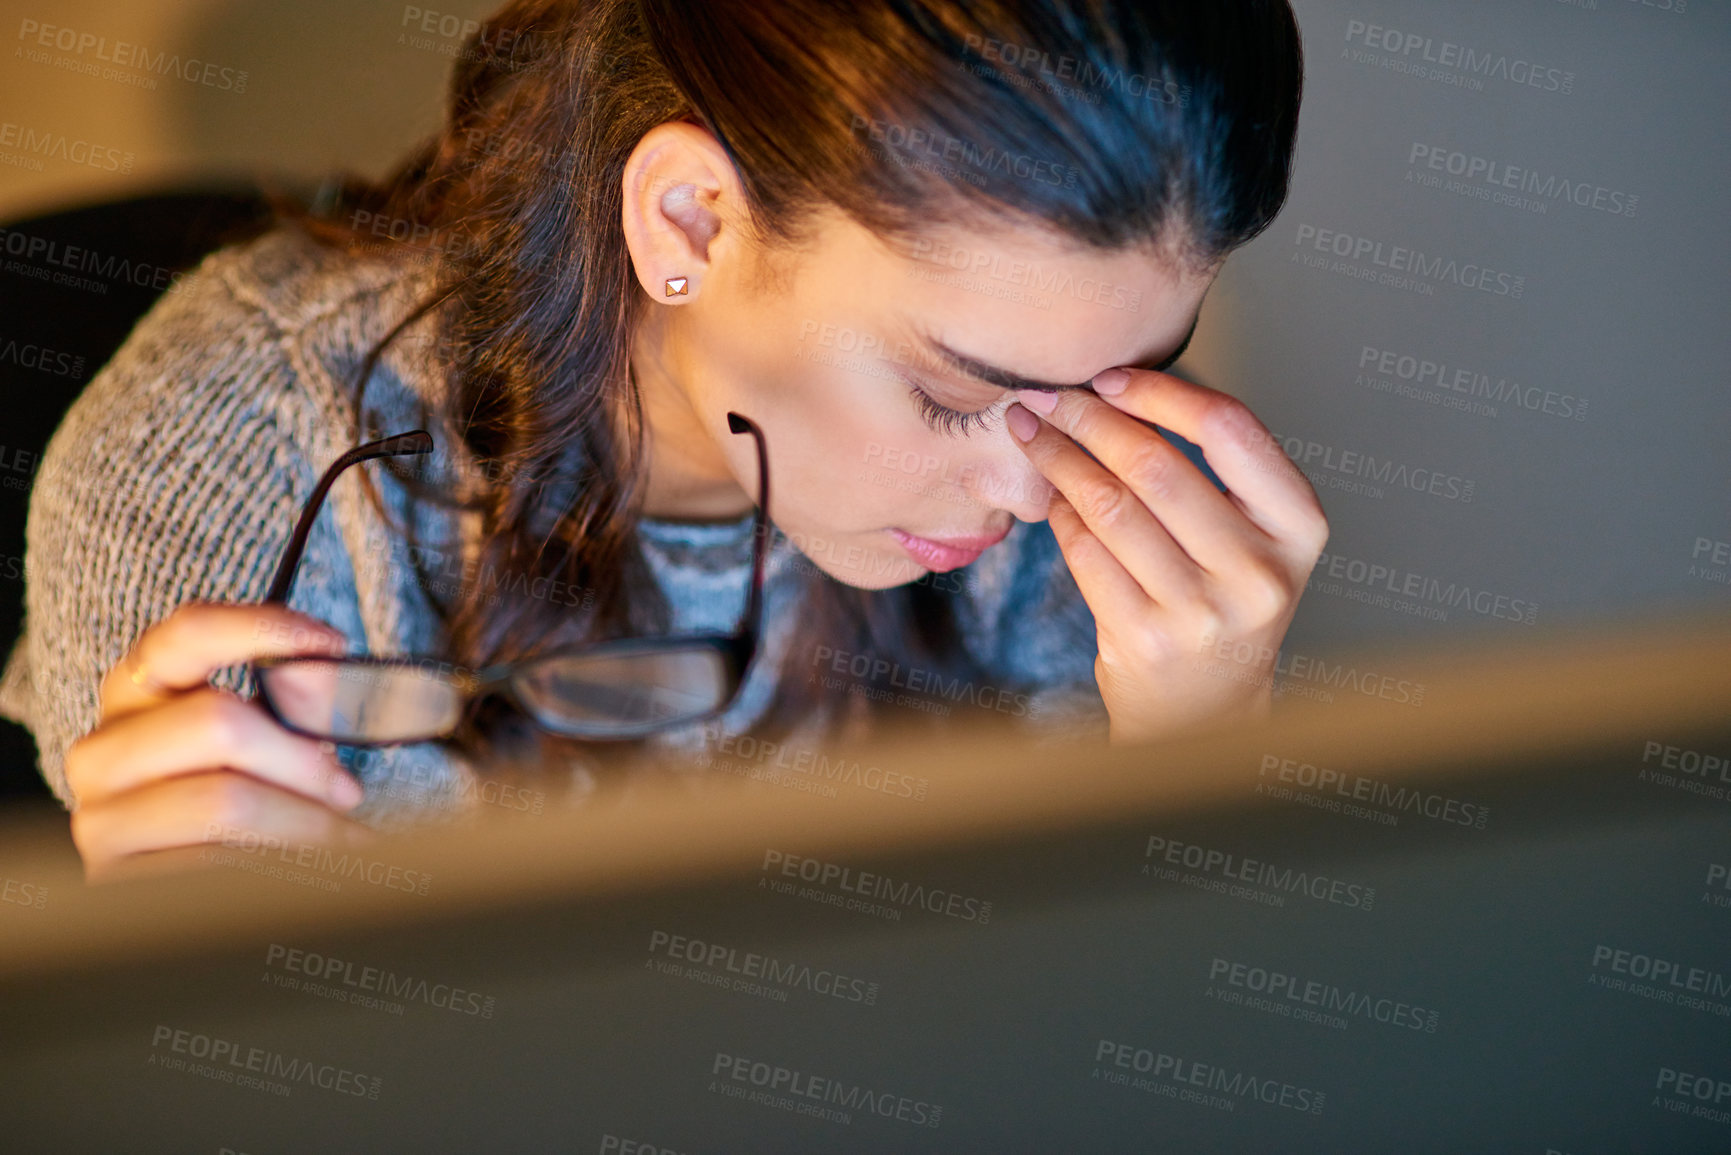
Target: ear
(681, 189)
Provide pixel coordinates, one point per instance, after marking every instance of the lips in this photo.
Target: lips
(941, 554)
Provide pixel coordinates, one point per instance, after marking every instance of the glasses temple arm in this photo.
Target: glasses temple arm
(417, 441)
(750, 619)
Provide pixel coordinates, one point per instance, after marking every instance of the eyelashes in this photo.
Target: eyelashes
(952, 422)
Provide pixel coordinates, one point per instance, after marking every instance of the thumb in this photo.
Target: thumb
(181, 651)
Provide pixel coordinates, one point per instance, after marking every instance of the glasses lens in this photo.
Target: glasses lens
(600, 695)
(363, 701)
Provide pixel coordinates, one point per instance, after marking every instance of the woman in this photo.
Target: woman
(936, 252)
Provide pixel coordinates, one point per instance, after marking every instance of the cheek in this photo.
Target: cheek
(838, 479)
(842, 432)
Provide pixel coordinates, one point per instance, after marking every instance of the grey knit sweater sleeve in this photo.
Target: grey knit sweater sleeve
(177, 476)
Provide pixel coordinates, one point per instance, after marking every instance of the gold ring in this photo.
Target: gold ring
(141, 678)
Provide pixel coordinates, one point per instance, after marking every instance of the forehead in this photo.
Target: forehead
(1022, 297)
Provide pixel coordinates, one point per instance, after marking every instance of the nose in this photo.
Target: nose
(1009, 481)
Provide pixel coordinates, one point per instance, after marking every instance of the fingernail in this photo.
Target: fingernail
(1112, 381)
(1022, 423)
(1039, 400)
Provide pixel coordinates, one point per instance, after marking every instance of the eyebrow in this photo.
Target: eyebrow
(1004, 379)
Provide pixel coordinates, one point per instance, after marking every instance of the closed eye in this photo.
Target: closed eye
(960, 422)
(952, 422)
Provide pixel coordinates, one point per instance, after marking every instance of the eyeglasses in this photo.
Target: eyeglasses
(608, 691)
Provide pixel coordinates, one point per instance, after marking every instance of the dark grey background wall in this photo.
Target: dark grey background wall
(1505, 263)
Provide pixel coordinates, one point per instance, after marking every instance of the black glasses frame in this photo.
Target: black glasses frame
(736, 650)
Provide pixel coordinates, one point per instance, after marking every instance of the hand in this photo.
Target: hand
(1170, 566)
(198, 764)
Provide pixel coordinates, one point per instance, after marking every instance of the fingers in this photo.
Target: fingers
(199, 638)
(1262, 479)
(1203, 522)
(174, 762)
(1100, 576)
(197, 731)
(194, 809)
(1121, 520)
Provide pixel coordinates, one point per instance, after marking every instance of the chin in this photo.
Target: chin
(871, 582)
(871, 577)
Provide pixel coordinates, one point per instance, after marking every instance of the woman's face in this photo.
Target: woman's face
(878, 372)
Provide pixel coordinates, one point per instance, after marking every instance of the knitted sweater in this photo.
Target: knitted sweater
(178, 474)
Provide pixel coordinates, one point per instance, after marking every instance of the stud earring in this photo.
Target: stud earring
(676, 286)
